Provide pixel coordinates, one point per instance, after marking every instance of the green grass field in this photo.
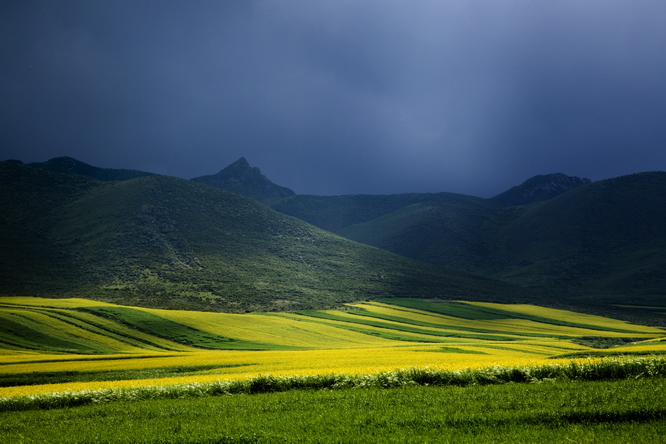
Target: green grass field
(564, 411)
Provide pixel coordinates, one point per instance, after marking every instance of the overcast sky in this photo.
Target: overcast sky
(339, 96)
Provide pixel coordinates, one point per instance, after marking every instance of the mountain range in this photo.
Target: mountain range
(68, 165)
(166, 242)
(252, 245)
(598, 241)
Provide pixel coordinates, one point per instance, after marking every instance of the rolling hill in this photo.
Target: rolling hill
(171, 243)
(335, 213)
(604, 240)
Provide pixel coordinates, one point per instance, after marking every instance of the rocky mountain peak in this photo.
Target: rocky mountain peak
(241, 178)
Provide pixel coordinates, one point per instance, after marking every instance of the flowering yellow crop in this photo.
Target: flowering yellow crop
(303, 345)
(280, 363)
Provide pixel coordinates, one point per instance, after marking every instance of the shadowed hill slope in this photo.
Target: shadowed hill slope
(606, 238)
(166, 242)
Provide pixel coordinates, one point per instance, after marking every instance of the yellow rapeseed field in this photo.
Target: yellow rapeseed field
(277, 363)
(302, 344)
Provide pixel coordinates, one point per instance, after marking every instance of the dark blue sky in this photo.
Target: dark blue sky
(339, 96)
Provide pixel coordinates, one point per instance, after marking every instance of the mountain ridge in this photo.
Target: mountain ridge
(69, 165)
(241, 178)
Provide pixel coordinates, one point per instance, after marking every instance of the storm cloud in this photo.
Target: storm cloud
(339, 97)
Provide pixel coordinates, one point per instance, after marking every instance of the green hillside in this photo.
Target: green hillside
(450, 234)
(162, 241)
(604, 238)
(171, 243)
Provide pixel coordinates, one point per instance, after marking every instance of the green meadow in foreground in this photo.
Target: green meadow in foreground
(609, 400)
(558, 411)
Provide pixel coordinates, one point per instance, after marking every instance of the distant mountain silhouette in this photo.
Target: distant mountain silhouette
(538, 189)
(68, 165)
(241, 178)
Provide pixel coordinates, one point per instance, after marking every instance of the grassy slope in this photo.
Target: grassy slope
(30, 260)
(171, 243)
(605, 237)
(453, 235)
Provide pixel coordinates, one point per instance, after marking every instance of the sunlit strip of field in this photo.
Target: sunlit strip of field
(118, 331)
(455, 351)
(392, 329)
(274, 330)
(639, 347)
(479, 330)
(278, 363)
(32, 301)
(59, 332)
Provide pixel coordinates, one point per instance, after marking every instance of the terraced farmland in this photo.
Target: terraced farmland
(51, 345)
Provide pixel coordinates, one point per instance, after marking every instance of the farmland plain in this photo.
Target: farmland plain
(394, 370)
